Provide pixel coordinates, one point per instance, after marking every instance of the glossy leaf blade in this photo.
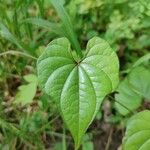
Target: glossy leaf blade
(78, 87)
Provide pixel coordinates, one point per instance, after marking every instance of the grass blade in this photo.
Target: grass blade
(67, 25)
(53, 27)
(5, 33)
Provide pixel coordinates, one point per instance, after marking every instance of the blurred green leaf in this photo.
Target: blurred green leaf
(30, 78)
(5, 33)
(139, 79)
(127, 99)
(88, 146)
(137, 135)
(142, 60)
(27, 92)
(53, 27)
(84, 6)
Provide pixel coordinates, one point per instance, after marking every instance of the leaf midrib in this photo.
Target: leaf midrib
(92, 88)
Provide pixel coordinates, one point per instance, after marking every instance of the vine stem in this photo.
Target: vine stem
(13, 52)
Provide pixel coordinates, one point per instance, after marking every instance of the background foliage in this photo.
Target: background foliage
(29, 119)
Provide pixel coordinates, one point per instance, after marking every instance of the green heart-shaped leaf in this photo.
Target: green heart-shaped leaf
(137, 135)
(78, 87)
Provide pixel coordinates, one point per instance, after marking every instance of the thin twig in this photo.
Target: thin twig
(12, 52)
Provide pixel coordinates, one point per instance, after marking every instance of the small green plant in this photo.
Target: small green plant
(77, 83)
(74, 77)
(78, 86)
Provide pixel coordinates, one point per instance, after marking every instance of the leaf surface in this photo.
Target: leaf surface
(78, 87)
(137, 135)
(139, 78)
(127, 99)
(27, 92)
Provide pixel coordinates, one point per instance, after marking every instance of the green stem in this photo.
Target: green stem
(64, 139)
